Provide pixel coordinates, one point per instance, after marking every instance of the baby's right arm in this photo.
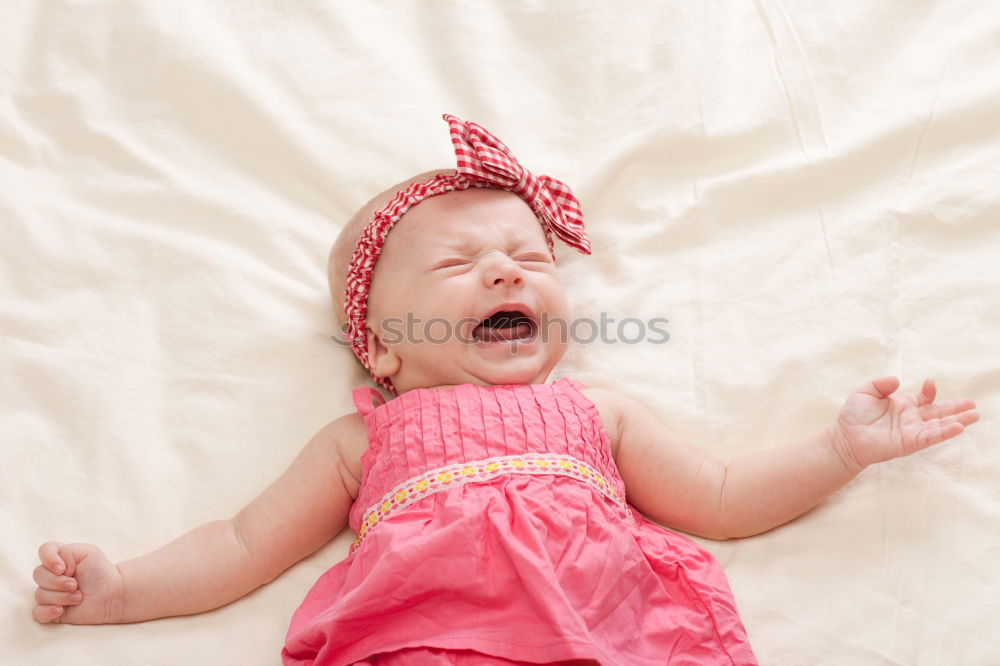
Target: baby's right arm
(218, 562)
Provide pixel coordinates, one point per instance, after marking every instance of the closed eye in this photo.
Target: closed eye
(534, 257)
(450, 262)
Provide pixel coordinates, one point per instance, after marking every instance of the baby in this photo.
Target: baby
(500, 519)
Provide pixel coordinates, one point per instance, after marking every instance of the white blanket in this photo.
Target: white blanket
(808, 192)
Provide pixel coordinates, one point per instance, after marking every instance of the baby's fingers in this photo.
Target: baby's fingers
(54, 598)
(46, 614)
(944, 429)
(947, 408)
(50, 581)
(48, 553)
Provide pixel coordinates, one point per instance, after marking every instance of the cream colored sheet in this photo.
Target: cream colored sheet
(808, 192)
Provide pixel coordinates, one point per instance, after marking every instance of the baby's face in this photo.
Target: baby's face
(447, 268)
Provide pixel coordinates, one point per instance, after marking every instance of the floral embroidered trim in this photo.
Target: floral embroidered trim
(459, 474)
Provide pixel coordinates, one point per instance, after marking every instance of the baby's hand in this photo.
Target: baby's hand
(77, 584)
(874, 425)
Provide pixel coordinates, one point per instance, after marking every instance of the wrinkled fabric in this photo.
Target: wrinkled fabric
(437, 657)
(536, 568)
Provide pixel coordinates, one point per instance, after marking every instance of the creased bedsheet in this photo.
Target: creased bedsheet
(809, 194)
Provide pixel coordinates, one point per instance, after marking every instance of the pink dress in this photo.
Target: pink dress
(493, 529)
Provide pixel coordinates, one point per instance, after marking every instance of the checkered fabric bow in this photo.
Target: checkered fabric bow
(483, 157)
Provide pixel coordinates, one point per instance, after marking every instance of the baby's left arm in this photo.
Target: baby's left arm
(676, 484)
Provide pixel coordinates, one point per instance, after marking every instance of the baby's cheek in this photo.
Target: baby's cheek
(555, 329)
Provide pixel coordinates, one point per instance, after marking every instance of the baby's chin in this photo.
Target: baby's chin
(513, 378)
(491, 376)
(512, 372)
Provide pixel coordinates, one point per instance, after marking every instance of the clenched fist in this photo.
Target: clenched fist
(77, 584)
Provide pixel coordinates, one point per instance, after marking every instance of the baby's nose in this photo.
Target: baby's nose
(501, 269)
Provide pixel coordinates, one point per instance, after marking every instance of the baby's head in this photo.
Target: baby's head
(465, 289)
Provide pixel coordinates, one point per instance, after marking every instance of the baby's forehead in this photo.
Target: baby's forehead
(468, 217)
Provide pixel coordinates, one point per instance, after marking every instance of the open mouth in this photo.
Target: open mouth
(505, 326)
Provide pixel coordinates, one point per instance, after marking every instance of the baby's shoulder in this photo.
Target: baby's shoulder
(347, 437)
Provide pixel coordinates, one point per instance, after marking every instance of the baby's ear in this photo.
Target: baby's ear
(381, 357)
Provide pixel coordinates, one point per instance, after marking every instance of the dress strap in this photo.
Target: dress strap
(366, 399)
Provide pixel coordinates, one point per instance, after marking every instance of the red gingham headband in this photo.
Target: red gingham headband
(483, 161)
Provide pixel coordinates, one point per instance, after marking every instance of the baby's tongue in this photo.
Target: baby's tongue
(490, 334)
